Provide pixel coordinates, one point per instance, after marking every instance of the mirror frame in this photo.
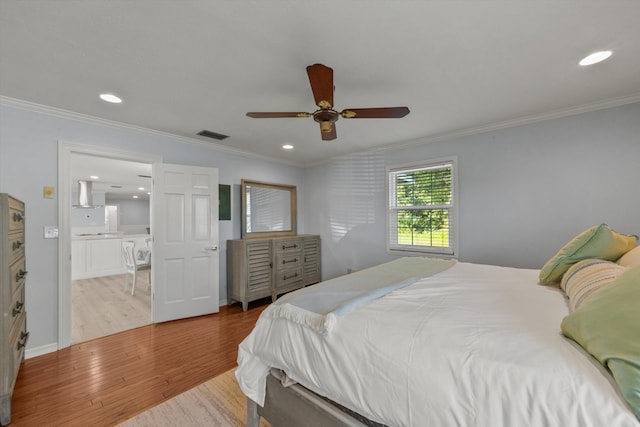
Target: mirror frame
(293, 209)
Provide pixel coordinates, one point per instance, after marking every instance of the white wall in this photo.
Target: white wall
(523, 191)
(29, 159)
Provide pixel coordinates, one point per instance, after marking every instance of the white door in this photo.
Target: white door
(184, 224)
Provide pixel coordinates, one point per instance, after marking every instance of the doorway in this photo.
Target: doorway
(104, 266)
(115, 209)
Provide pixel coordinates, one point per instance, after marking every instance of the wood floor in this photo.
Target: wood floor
(101, 306)
(105, 381)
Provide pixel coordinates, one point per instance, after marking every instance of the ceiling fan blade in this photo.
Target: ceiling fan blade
(321, 79)
(331, 135)
(375, 113)
(277, 115)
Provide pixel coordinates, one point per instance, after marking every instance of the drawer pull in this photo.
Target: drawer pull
(284, 261)
(24, 337)
(16, 244)
(294, 246)
(285, 277)
(17, 217)
(20, 275)
(18, 308)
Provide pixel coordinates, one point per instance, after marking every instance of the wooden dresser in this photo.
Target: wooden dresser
(258, 268)
(13, 321)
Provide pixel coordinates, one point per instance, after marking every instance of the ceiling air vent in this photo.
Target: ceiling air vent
(213, 135)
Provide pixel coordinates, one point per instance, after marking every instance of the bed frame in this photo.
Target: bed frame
(295, 405)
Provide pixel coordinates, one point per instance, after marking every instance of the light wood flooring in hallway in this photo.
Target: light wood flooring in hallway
(101, 306)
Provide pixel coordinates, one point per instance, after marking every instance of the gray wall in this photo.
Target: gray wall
(523, 191)
(132, 212)
(29, 161)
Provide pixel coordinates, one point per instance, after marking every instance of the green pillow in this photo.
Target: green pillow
(608, 327)
(599, 242)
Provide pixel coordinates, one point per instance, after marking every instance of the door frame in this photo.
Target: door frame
(65, 150)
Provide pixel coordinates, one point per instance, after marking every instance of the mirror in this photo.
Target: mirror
(268, 209)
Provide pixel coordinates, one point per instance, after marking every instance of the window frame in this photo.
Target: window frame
(445, 252)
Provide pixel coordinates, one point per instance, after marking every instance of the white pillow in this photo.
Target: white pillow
(631, 258)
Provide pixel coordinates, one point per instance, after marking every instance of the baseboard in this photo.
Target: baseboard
(50, 348)
(39, 351)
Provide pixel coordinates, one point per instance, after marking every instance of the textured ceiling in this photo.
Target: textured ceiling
(185, 66)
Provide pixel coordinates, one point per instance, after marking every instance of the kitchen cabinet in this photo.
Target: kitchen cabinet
(78, 258)
(104, 257)
(101, 255)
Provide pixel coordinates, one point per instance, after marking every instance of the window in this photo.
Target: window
(421, 208)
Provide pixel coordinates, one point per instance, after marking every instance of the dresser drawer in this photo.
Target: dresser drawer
(287, 245)
(16, 246)
(288, 260)
(17, 274)
(17, 343)
(17, 306)
(16, 215)
(288, 277)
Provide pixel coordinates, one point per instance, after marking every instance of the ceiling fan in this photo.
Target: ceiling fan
(321, 79)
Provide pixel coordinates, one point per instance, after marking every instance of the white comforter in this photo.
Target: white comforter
(474, 345)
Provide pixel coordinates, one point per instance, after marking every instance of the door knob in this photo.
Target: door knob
(210, 248)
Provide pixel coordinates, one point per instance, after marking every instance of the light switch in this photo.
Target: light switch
(50, 232)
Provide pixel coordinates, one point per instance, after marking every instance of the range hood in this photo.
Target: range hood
(85, 196)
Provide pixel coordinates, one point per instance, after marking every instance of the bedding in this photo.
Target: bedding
(608, 327)
(472, 345)
(599, 242)
(631, 258)
(585, 279)
(321, 306)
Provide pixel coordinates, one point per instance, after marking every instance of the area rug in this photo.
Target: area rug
(218, 402)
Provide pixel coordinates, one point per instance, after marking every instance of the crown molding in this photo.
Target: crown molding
(490, 127)
(520, 121)
(72, 115)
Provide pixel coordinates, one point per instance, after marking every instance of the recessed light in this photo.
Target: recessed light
(595, 57)
(288, 147)
(109, 97)
(135, 197)
(94, 177)
(140, 188)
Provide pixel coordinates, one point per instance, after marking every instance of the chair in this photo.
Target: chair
(136, 261)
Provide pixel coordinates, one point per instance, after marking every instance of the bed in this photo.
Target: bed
(423, 342)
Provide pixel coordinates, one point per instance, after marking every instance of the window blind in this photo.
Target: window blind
(421, 214)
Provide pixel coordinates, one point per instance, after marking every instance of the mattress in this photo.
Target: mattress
(473, 345)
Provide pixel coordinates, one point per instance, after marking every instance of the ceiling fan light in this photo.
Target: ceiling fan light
(325, 127)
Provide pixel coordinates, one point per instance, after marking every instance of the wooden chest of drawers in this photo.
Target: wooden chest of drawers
(257, 268)
(13, 318)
